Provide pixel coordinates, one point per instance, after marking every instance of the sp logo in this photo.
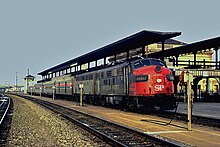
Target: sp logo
(158, 87)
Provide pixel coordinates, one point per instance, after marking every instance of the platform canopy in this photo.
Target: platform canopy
(134, 41)
(189, 48)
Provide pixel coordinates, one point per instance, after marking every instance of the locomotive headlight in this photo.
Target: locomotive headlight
(170, 77)
(159, 80)
(158, 68)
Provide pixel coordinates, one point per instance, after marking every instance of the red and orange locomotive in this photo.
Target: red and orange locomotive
(151, 84)
(139, 84)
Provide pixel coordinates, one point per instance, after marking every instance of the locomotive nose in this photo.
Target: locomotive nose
(158, 68)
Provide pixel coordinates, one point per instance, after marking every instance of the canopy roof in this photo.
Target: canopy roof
(189, 48)
(137, 40)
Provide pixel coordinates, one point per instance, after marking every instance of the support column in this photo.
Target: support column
(127, 55)
(218, 84)
(204, 63)
(177, 56)
(146, 52)
(194, 58)
(195, 87)
(88, 65)
(96, 63)
(104, 61)
(163, 41)
(175, 82)
(216, 57)
(189, 102)
(219, 65)
(143, 52)
(174, 61)
(207, 86)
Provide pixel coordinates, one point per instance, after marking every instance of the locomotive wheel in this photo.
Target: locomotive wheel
(92, 100)
(139, 106)
(102, 101)
(135, 105)
(130, 104)
(124, 104)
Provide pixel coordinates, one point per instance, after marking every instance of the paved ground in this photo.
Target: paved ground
(202, 109)
(199, 136)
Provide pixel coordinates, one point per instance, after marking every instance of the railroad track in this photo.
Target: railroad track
(5, 118)
(5, 103)
(113, 133)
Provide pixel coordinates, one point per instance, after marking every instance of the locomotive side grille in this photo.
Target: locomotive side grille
(102, 75)
(109, 73)
(119, 71)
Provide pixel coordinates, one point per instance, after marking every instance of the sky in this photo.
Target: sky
(43, 33)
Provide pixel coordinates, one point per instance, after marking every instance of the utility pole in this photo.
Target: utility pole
(53, 92)
(40, 91)
(81, 94)
(189, 79)
(16, 82)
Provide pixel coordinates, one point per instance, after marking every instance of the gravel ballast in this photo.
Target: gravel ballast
(33, 125)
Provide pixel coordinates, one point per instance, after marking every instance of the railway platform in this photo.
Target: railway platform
(203, 109)
(177, 131)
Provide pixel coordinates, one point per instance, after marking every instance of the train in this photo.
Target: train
(140, 84)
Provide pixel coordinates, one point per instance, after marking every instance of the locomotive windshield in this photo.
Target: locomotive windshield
(158, 62)
(147, 62)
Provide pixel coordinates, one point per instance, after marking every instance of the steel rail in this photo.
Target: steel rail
(87, 127)
(104, 136)
(2, 103)
(6, 110)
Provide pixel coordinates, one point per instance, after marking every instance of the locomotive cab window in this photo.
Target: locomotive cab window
(158, 62)
(141, 63)
(147, 62)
